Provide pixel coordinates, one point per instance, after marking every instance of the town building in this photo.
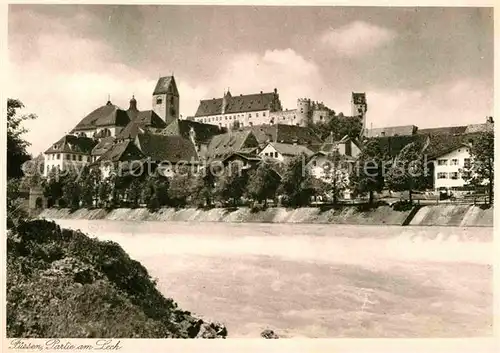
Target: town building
(238, 111)
(283, 152)
(449, 168)
(69, 152)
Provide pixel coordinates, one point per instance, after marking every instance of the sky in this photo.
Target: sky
(422, 66)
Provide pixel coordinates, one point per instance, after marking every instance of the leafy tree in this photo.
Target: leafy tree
(481, 169)
(105, 191)
(53, 187)
(231, 184)
(336, 175)
(297, 183)
(180, 187)
(71, 190)
(204, 185)
(155, 192)
(263, 183)
(338, 126)
(16, 145)
(134, 191)
(408, 172)
(368, 175)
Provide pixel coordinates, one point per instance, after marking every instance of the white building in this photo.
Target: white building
(283, 152)
(243, 110)
(69, 152)
(449, 168)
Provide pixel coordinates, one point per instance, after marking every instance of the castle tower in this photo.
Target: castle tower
(166, 99)
(304, 112)
(359, 107)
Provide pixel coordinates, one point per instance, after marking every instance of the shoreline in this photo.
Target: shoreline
(462, 216)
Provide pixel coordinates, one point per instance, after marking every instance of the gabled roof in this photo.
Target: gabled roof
(448, 130)
(171, 149)
(106, 115)
(130, 131)
(290, 149)
(234, 141)
(73, 144)
(390, 146)
(121, 151)
(405, 130)
(103, 145)
(442, 144)
(165, 85)
(474, 128)
(239, 104)
(282, 133)
(203, 132)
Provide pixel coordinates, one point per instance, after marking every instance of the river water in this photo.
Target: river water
(318, 280)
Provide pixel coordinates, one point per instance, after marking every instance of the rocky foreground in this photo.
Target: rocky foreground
(61, 283)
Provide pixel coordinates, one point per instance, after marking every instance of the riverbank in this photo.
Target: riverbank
(434, 215)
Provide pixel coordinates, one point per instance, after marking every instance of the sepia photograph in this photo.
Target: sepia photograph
(251, 171)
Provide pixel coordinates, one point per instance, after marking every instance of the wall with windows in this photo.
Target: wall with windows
(243, 118)
(448, 169)
(270, 152)
(63, 161)
(104, 131)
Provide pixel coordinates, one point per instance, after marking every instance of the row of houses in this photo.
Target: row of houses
(110, 135)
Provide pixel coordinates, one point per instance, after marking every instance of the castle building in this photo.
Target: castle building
(238, 111)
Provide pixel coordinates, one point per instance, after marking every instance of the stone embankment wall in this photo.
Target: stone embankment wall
(435, 215)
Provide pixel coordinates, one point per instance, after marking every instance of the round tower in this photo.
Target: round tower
(303, 111)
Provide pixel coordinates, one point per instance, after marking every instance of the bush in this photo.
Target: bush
(61, 283)
(402, 206)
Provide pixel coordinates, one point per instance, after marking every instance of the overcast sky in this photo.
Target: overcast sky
(423, 66)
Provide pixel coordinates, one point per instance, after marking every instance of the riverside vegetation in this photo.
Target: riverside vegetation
(61, 283)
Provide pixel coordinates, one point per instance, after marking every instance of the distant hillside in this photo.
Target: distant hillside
(61, 283)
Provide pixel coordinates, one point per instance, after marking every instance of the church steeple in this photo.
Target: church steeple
(133, 104)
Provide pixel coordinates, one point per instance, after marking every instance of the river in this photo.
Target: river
(326, 281)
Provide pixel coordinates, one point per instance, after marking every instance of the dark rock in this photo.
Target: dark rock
(269, 334)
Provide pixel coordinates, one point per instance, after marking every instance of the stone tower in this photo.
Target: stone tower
(303, 111)
(166, 99)
(359, 107)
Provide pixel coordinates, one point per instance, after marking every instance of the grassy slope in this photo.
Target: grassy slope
(61, 283)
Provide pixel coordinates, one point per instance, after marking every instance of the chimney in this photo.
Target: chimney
(489, 119)
(275, 91)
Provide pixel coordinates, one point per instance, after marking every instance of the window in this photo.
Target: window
(442, 162)
(249, 115)
(256, 115)
(74, 157)
(80, 158)
(442, 175)
(454, 175)
(58, 156)
(467, 162)
(382, 133)
(314, 163)
(159, 100)
(454, 161)
(68, 156)
(263, 113)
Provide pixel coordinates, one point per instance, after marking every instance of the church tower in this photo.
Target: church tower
(166, 99)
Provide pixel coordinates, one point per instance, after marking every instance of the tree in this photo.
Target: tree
(336, 175)
(105, 191)
(297, 183)
(263, 183)
(155, 192)
(71, 190)
(53, 187)
(204, 185)
(481, 168)
(16, 145)
(231, 184)
(408, 172)
(134, 191)
(367, 175)
(338, 126)
(180, 187)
